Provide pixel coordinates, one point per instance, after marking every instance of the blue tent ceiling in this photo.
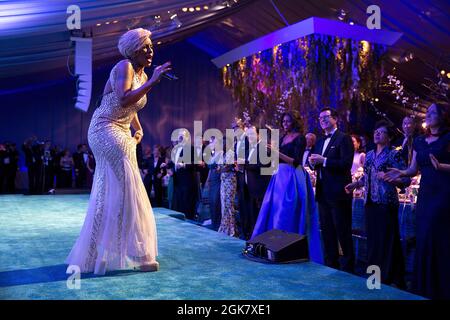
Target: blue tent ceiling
(34, 38)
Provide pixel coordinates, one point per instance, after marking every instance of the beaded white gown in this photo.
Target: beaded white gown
(119, 230)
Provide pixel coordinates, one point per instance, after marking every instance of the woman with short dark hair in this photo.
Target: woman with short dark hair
(381, 206)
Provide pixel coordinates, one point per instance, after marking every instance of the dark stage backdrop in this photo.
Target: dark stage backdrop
(47, 109)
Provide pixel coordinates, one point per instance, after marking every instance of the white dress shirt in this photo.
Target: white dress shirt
(325, 145)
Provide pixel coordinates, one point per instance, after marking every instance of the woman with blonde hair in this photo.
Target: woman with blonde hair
(119, 230)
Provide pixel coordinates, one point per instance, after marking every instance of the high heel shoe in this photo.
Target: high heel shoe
(149, 267)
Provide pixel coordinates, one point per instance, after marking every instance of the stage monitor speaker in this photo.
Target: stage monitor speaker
(277, 246)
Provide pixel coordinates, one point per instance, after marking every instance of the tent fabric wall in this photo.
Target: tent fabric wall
(48, 111)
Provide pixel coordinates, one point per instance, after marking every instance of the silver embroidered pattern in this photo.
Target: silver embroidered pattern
(99, 207)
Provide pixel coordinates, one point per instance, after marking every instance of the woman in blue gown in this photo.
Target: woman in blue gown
(431, 156)
(288, 203)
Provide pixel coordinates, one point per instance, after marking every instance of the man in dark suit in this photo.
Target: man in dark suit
(12, 166)
(256, 182)
(48, 161)
(310, 143)
(213, 181)
(80, 158)
(332, 159)
(202, 168)
(241, 147)
(155, 174)
(185, 178)
(30, 163)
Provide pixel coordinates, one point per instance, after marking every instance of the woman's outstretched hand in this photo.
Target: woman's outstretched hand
(159, 71)
(393, 174)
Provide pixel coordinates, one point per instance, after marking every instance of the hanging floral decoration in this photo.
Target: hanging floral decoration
(394, 86)
(304, 75)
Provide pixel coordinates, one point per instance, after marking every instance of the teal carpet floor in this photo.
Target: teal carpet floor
(37, 233)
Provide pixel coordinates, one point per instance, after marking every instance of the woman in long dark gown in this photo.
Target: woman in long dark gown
(432, 157)
(288, 203)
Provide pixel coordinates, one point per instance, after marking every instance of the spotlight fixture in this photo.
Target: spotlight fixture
(205, 7)
(157, 20)
(198, 8)
(442, 72)
(184, 9)
(407, 56)
(191, 9)
(175, 20)
(342, 15)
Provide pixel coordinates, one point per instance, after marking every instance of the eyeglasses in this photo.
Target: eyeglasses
(324, 117)
(380, 132)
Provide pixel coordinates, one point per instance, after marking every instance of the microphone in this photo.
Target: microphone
(169, 75)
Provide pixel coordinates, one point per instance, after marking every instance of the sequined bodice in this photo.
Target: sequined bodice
(111, 113)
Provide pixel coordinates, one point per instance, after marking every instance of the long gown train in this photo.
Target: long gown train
(289, 205)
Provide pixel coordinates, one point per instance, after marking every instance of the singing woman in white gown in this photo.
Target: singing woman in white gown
(119, 230)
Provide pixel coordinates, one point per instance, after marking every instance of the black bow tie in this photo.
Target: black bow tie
(328, 136)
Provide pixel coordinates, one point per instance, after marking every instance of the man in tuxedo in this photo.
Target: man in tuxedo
(256, 183)
(332, 158)
(80, 159)
(310, 143)
(48, 161)
(154, 175)
(11, 167)
(202, 168)
(184, 178)
(215, 210)
(241, 147)
(28, 148)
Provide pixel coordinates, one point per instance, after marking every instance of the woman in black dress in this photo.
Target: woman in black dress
(432, 157)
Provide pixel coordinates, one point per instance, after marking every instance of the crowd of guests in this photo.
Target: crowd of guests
(316, 173)
(244, 203)
(9, 164)
(49, 167)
